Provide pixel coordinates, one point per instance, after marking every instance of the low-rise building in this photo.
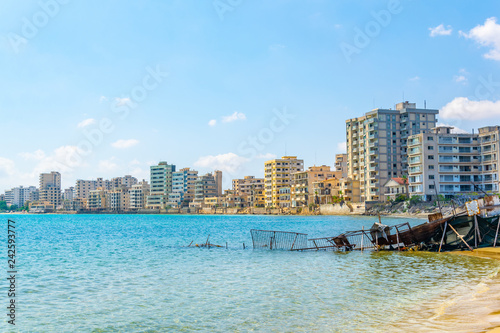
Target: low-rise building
(302, 181)
(97, 200)
(395, 187)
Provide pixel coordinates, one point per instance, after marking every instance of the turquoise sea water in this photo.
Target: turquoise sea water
(134, 273)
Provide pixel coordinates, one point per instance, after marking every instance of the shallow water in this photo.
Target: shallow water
(126, 273)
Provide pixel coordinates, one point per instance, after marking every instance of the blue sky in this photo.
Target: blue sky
(227, 84)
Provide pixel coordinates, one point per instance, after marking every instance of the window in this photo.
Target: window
(431, 167)
(431, 176)
(431, 187)
(430, 157)
(430, 138)
(430, 147)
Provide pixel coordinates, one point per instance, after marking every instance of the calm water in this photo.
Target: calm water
(133, 273)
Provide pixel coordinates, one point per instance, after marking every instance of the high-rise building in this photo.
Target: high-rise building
(138, 195)
(302, 193)
(68, 194)
(218, 182)
(183, 187)
(161, 185)
(278, 173)
(83, 188)
(50, 188)
(251, 188)
(453, 164)
(377, 144)
(20, 195)
(205, 187)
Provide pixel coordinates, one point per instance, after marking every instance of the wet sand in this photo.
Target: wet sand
(491, 253)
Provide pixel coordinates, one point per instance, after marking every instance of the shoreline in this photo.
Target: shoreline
(492, 253)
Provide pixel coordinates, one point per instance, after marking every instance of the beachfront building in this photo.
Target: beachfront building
(341, 164)
(284, 195)
(218, 182)
(302, 193)
(377, 145)
(97, 200)
(161, 185)
(19, 195)
(252, 189)
(50, 188)
(205, 187)
(452, 164)
(183, 187)
(278, 173)
(83, 188)
(395, 187)
(138, 195)
(118, 199)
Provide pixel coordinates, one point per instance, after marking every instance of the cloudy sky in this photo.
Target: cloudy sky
(107, 88)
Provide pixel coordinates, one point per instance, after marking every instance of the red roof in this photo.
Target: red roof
(399, 180)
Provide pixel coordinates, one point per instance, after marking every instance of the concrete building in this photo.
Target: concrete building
(205, 187)
(161, 185)
(127, 181)
(138, 195)
(19, 195)
(284, 197)
(50, 188)
(341, 164)
(218, 182)
(377, 144)
(68, 194)
(97, 200)
(183, 187)
(252, 189)
(395, 187)
(278, 173)
(83, 188)
(302, 193)
(453, 164)
(118, 199)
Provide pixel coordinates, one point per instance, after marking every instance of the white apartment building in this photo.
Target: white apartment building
(377, 144)
(452, 164)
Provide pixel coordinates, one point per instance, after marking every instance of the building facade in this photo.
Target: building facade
(50, 188)
(302, 193)
(161, 185)
(452, 164)
(278, 173)
(205, 187)
(377, 145)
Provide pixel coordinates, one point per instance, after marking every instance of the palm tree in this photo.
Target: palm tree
(405, 181)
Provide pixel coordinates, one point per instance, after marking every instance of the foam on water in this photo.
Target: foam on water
(121, 273)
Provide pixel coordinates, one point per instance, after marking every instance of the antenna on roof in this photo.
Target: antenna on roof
(425, 104)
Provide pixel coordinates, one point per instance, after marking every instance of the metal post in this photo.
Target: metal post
(397, 237)
(442, 238)
(294, 242)
(475, 231)
(496, 235)
(363, 236)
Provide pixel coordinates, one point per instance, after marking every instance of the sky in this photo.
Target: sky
(108, 88)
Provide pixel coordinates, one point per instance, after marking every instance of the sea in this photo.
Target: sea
(136, 273)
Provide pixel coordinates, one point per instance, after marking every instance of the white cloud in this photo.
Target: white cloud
(487, 35)
(123, 144)
(342, 147)
(86, 122)
(416, 78)
(440, 30)
(454, 129)
(108, 165)
(267, 156)
(212, 122)
(463, 108)
(229, 163)
(460, 78)
(37, 155)
(7, 167)
(235, 116)
(276, 47)
(122, 101)
(103, 99)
